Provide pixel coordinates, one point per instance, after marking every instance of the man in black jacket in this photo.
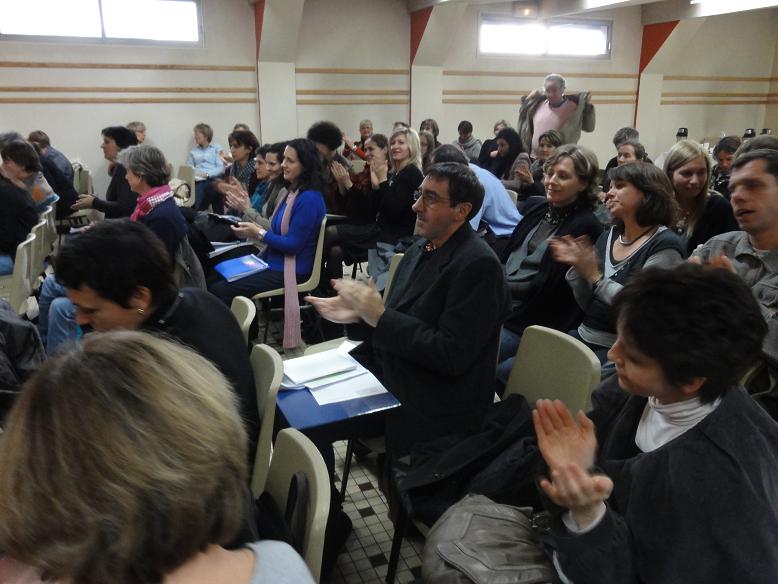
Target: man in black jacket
(433, 342)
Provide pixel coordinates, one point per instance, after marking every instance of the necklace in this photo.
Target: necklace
(628, 243)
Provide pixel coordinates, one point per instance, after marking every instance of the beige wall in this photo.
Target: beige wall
(75, 127)
(735, 45)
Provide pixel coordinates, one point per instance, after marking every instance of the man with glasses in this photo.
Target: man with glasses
(433, 340)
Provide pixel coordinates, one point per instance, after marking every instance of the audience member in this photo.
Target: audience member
(49, 153)
(242, 170)
(470, 145)
(18, 214)
(433, 343)
(119, 276)
(328, 138)
(628, 151)
(724, 154)
(753, 252)
(356, 150)
(489, 147)
(291, 239)
(642, 204)
(621, 136)
(551, 109)
(431, 126)
(508, 148)
(427, 147)
(535, 278)
(19, 156)
(527, 177)
(672, 444)
(140, 131)
(205, 160)
(764, 142)
(250, 207)
(497, 213)
(121, 465)
(703, 213)
(119, 199)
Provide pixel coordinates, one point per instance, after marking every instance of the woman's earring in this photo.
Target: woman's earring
(141, 312)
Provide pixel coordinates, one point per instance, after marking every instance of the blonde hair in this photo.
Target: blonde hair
(426, 160)
(414, 148)
(683, 152)
(121, 460)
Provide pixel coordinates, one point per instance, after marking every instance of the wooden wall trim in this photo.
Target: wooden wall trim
(353, 92)
(718, 94)
(349, 71)
(718, 78)
(82, 100)
(718, 102)
(146, 66)
(365, 101)
(521, 93)
(459, 73)
(516, 103)
(63, 89)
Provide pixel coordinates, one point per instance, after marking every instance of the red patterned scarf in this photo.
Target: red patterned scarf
(150, 199)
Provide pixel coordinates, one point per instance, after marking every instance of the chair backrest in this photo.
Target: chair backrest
(39, 251)
(187, 174)
(245, 311)
(393, 263)
(49, 216)
(312, 282)
(85, 184)
(513, 195)
(357, 166)
(553, 365)
(268, 369)
(294, 452)
(17, 287)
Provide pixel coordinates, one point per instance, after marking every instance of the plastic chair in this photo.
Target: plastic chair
(307, 286)
(187, 174)
(17, 287)
(245, 311)
(50, 238)
(357, 166)
(39, 252)
(513, 195)
(268, 369)
(393, 263)
(553, 365)
(294, 452)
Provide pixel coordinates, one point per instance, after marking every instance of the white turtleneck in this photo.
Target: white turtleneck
(660, 423)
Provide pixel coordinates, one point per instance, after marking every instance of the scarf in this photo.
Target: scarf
(150, 199)
(555, 215)
(292, 336)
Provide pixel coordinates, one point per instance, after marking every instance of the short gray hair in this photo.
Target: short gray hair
(556, 77)
(7, 137)
(624, 134)
(147, 162)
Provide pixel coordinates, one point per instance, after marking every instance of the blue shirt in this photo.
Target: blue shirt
(498, 209)
(205, 159)
(303, 234)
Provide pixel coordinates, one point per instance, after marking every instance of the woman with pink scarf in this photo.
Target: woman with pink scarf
(291, 239)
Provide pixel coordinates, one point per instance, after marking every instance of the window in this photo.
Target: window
(152, 20)
(504, 35)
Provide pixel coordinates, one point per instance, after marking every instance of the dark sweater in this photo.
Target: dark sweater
(167, 222)
(717, 218)
(17, 216)
(200, 321)
(119, 198)
(395, 199)
(700, 508)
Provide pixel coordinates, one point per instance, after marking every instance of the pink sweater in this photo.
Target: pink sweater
(548, 118)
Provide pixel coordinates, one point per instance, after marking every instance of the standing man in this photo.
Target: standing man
(551, 109)
(433, 343)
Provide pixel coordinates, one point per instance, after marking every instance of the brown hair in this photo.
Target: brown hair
(659, 206)
(121, 460)
(586, 169)
(682, 153)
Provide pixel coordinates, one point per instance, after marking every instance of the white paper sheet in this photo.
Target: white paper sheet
(302, 370)
(359, 386)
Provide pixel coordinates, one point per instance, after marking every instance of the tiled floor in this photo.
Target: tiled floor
(366, 556)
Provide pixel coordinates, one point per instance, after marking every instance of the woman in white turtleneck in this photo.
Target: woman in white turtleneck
(673, 476)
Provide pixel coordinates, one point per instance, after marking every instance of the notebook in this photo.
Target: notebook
(238, 268)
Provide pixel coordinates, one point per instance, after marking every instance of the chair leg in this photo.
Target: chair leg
(394, 556)
(346, 469)
(266, 314)
(354, 271)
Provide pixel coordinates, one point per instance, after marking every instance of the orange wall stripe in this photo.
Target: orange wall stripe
(419, 20)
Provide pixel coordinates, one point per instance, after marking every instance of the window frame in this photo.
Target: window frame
(497, 18)
(104, 40)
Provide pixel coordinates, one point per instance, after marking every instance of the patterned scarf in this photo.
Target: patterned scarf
(292, 336)
(150, 199)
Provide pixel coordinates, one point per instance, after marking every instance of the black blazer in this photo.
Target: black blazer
(550, 300)
(435, 347)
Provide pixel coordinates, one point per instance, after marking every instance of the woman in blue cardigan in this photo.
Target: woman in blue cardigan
(291, 239)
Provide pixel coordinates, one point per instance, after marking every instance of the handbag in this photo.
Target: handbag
(479, 541)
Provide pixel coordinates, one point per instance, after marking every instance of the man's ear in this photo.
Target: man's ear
(464, 210)
(693, 386)
(141, 298)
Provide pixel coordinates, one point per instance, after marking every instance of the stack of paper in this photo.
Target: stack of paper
(331, 376)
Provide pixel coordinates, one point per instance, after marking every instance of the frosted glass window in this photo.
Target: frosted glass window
(515, 36)
(159, 20)
(73, 18)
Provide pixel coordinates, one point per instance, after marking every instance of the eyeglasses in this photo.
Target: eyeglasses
(427, 198)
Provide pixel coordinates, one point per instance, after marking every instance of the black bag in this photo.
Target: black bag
(290, 525)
